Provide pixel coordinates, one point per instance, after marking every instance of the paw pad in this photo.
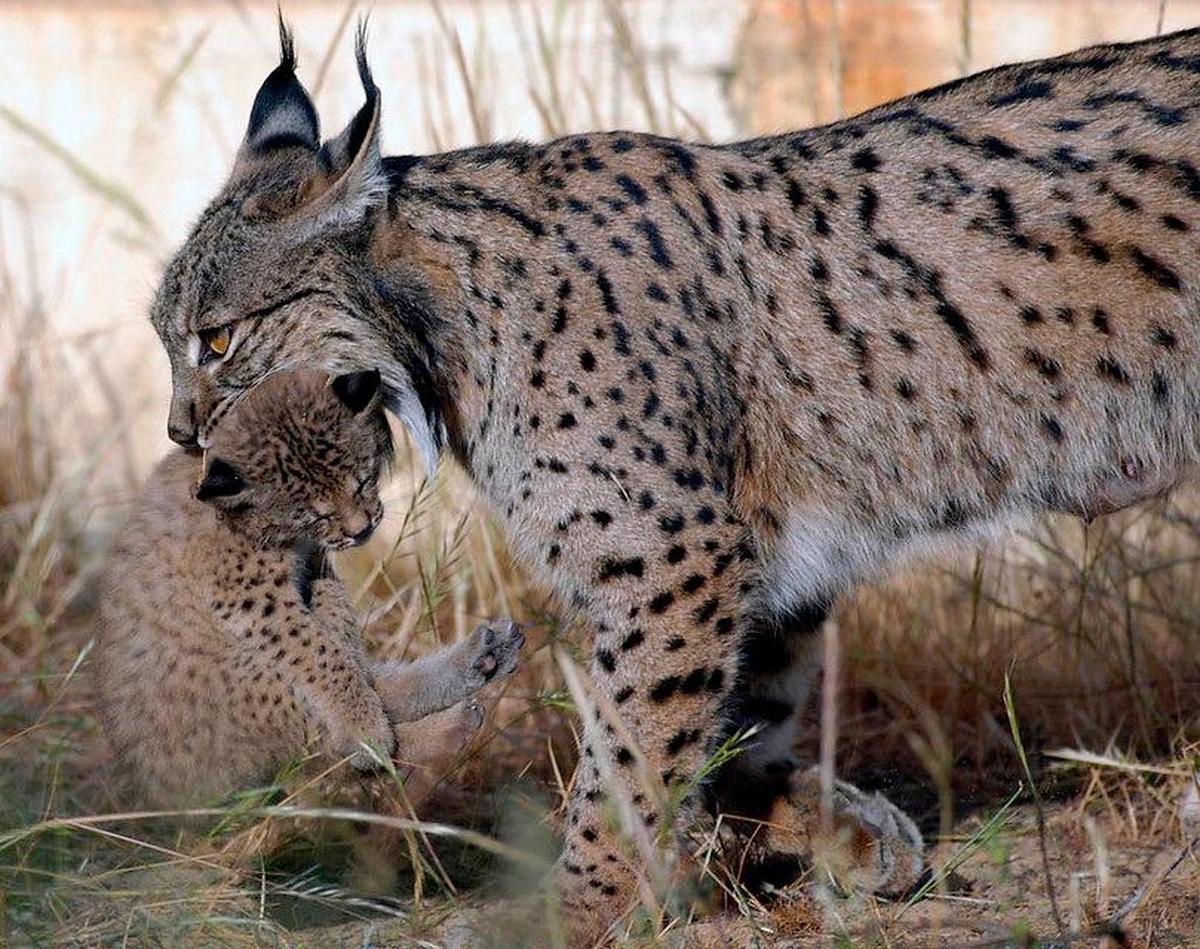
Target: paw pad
(498, 646)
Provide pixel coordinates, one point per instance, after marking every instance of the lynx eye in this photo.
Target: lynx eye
(214, 343)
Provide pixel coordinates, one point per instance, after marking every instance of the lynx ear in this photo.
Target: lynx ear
(282, 115)
(220, 481)
(357, 390)
(357, 181)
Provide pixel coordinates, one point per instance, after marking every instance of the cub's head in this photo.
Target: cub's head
(299, 458)
(281, 271)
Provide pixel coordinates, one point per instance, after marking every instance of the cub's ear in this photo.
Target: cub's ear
(220, 481)
(357, 390)
(282, 115)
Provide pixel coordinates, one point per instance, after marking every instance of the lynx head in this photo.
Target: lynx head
(300, 458)
(277, 273)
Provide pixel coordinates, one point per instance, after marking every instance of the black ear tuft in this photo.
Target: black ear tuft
(287, 43)
(220, 481)
(360, 59)
(282, 113)
(340, 152)
(357, 390)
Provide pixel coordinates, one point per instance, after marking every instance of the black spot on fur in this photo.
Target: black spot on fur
(1050, 368)
(633, 640)
(1156, 270)
(865, 160)
(1023, 92)
(611, 568)
(1164, 337)
(868, 204)
(1051, 427)
(608, 662)
(1109, 368)
(663, 689)
(636, 193)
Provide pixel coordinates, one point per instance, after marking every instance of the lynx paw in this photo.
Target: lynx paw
(492, 651)
(875, 846)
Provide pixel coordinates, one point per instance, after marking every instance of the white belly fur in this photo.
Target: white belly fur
(822, 553)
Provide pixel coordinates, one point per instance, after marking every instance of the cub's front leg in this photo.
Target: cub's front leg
(323, 650)
(412, 690)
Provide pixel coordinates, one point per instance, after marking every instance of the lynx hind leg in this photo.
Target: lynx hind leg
(778, 664)
(876, 847)
(426, 750)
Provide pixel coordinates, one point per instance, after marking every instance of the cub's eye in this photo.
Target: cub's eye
(214, 343)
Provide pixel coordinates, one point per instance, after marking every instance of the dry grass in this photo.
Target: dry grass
(1097, 629)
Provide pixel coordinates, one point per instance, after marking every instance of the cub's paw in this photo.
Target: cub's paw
(492, 652)
(427, 749)
(874, 847)
(438, 738)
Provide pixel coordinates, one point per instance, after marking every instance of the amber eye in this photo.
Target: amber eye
(214, 343)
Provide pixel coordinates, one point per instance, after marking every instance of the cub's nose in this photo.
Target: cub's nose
(357, 527)
(362, 536)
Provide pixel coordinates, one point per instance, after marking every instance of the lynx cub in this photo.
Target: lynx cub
(225, 643)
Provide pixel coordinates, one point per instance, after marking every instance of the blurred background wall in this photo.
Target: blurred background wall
(119, 119)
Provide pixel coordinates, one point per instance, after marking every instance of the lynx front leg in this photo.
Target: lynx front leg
(662, 585)
(667, 621)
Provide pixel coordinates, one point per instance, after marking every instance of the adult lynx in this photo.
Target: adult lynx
(707, 388)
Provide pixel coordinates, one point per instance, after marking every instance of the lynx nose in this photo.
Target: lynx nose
(182, 435)
(181, 423)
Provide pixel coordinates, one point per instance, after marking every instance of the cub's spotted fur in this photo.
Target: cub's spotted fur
(226, 646)
(707, 388)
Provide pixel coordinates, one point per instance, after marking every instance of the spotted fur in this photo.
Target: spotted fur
(706, 388)
(226, 645)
